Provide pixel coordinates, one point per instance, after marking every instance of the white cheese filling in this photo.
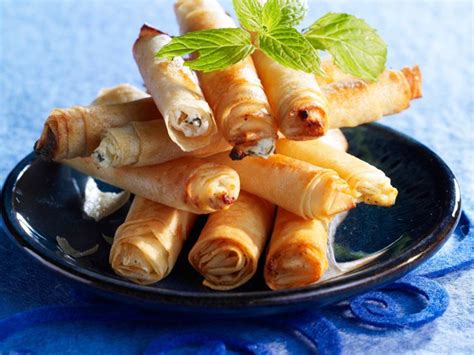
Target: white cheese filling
(98, 204)
(263, 148)
(190, 123)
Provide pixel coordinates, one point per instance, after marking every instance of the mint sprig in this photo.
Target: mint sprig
(217, 48)
(356, 47)
(249, 13)
(290, 48)
(292, 12)
(271, 16)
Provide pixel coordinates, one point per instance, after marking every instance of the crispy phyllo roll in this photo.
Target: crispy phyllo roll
(176, 92)
(145, 143)
(368, 184)
(413, 76)
(189, 184)
(296, 254)
(355, 102)
(299, 187)
(336, 139)
(296, 100)
(235, 94)
(147, 244)
(229, 247)
(77, 131)
(119, 94)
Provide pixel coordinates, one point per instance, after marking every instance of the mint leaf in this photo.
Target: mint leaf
(289, 48)
(356, 47)
(292, 12)
(248, 13)
(271, 15)
(217, 48)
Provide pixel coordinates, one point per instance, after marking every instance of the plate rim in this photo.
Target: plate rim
(337, 289)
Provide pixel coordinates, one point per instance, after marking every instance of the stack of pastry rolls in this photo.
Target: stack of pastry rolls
(256, 147)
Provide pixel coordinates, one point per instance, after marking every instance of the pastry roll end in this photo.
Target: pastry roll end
(213, 187)
(380, 194)
(119, 147)
(413, 76)
(63, 135)
(311, 117)
(230, 244)
(283, 270)
(297, 252)
(130, 260)
(329, 195)
(146, 246)
(260, 148)
(46, 145)
(148, 31)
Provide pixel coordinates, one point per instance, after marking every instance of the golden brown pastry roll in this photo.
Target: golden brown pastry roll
(175, 89)
(296, 100)
(369, 184)
(413, 76)
(235, 94)
(335, 138)
(119, 94)
(296, 254)
(77, 131)
(147, 244)
(355, 102)
(227, 251)
(297, 186)
(128, 145)
(189, 184)
(145, 143)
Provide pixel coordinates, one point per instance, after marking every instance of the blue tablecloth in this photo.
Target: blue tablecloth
(60, 53)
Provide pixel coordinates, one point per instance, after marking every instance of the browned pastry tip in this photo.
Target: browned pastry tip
(413, 76)
(148, 31)
(45, 147)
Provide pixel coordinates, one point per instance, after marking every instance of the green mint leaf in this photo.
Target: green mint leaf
(217, 48)
(248, 13)
(289, 48)
(356, 47)
(271, 15)
(292, 12)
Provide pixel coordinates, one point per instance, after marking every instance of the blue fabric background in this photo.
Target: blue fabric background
(60, 53)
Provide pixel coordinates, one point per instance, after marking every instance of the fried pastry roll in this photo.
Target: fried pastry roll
(145, 143)
(297, 251)
(77, 131)
(368, 184)
(296, 254)
(355, 102)
(297, 186)
(176, 92)
(229, 247)
(235, 94)
(296, 100)
(189, 184)
(147, 244)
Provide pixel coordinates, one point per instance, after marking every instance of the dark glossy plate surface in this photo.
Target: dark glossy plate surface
(41, 201)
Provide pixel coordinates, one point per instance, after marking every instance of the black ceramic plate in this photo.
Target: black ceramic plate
(41, 201)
